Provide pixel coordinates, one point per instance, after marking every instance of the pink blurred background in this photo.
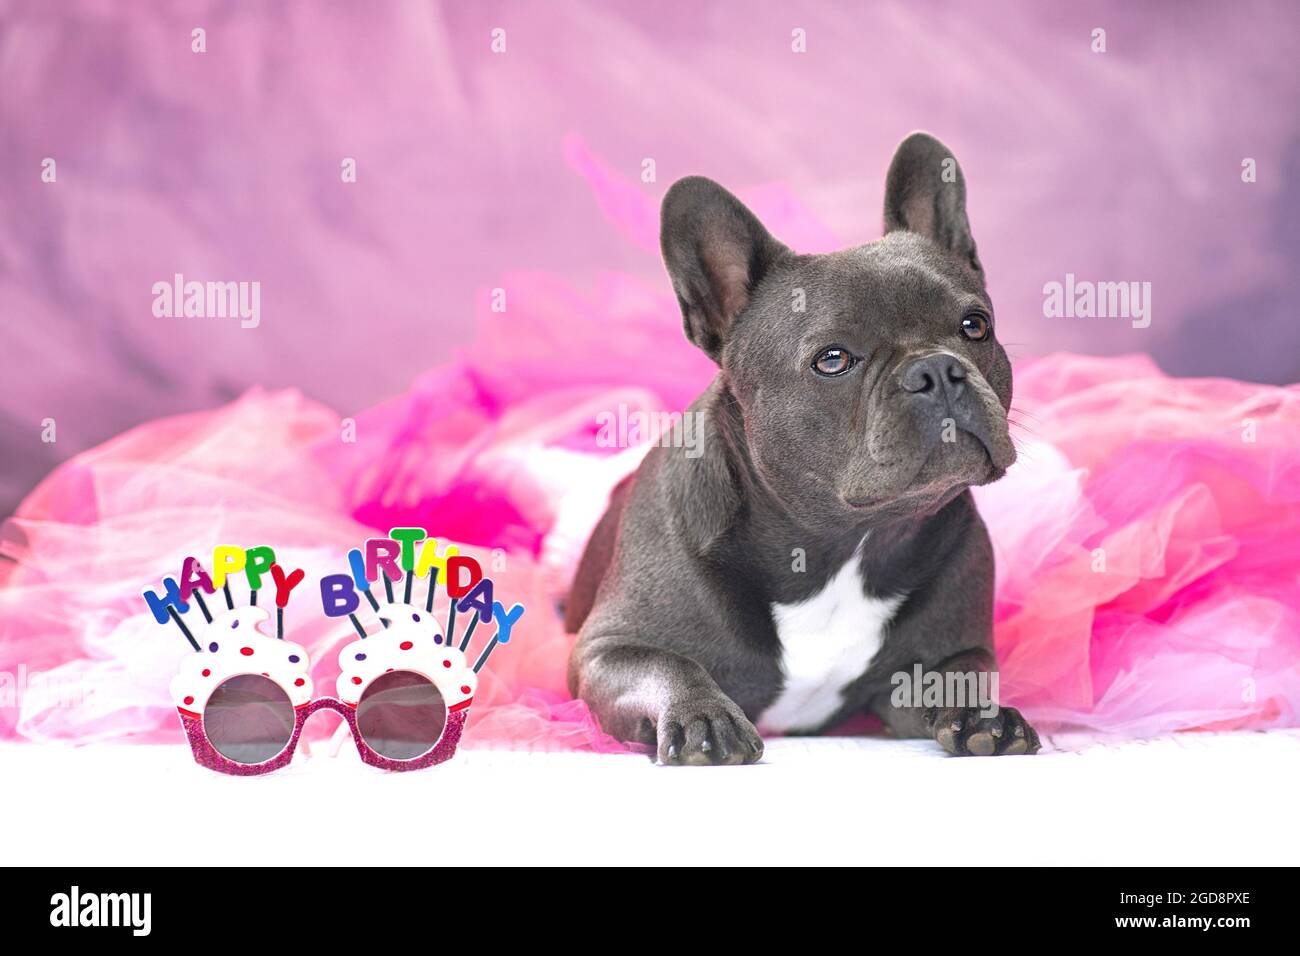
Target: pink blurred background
(1116, 166)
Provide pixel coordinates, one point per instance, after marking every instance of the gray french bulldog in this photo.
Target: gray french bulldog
(825, 539)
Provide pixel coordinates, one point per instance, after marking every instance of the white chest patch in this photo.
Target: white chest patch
(827, 642)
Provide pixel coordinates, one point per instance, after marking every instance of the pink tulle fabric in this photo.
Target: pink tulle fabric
(1148, 539)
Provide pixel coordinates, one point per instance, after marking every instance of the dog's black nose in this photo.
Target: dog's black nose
(936, 375)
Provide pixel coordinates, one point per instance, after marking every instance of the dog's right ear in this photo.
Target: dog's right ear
(716, 251)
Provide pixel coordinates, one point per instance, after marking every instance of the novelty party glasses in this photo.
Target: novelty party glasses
(404, 691)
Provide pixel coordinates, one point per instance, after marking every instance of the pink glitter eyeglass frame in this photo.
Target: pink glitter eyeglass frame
(206, 755)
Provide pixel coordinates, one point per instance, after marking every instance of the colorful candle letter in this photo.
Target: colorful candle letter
(407, 537)
(338, 595)
(257, 561)
(226, 559)
(456, 589)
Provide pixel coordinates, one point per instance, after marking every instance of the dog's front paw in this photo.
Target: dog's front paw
(964, 732)
(706, 728)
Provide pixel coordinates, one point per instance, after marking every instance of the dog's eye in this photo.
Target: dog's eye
(834, 361)
(975, 326)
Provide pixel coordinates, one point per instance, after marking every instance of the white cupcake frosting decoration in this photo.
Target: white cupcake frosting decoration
(233, 644)
(413, 641)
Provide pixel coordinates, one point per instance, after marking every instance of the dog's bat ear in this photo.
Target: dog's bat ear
(716, 252)
(925, 193)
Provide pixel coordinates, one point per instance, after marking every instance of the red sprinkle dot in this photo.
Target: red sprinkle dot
(464, 688)
(446, 663)
(206, 672)
(189, 700)
(299, 682)
(246, 651)
(406, 645)
(356, 680)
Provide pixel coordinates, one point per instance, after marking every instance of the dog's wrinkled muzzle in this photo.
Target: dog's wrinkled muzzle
(946, 393)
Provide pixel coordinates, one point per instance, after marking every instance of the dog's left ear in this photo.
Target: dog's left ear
(925, 193)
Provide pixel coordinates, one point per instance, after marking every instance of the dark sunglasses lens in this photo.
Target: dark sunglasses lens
(249, 719)
(401, 715)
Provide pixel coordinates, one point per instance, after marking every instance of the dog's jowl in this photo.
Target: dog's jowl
(822, 538)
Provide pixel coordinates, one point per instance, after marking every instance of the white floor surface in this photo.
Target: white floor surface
(1194, 799)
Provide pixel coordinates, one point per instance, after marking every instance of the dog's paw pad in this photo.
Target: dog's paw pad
(707, 731)
(965, 732)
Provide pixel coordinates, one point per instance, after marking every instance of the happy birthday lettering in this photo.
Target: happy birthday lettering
(393, 558)
(389, 558)
(255, 564)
